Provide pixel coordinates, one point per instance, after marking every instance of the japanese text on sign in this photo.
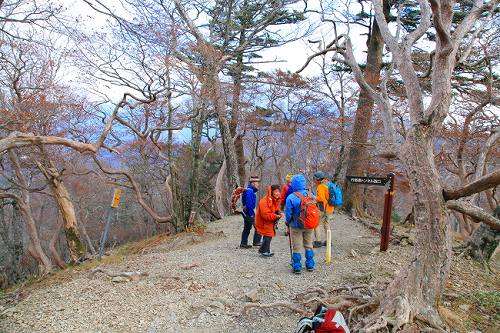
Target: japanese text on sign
(368, 180)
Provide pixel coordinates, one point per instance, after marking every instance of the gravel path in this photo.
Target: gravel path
(198, 284)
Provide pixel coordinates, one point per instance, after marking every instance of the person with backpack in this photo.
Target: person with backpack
(267, 216)
(284, 190)
(249, 200)
(325, 206)
(302, 216)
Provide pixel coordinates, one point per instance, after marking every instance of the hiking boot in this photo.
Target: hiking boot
(257, 244)
(297, 271)
(317, 244)
(310, 269)
(267, 254)
(245, 246)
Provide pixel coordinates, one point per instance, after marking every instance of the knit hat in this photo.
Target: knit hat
(254, 179)
(319, 175)
(289, 177)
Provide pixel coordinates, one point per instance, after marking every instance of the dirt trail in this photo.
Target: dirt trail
(198, 284)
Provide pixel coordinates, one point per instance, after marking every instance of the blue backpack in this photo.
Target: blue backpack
(335, 195)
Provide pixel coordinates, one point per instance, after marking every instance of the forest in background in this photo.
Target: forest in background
(387, 86)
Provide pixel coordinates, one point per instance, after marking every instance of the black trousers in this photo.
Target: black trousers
(266, 245)
(248, 223)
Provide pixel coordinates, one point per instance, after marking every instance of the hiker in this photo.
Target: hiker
(249, 199)
(267, 216)
(301, 235)
(326, 210)
(284, 191)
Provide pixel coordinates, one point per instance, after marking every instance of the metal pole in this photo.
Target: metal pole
(386, 225)
(104, 236)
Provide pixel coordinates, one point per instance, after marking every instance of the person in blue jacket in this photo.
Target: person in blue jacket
(301, 238)
(249, 201)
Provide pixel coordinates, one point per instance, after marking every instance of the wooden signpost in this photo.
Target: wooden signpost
(114, 204)
(389, 196)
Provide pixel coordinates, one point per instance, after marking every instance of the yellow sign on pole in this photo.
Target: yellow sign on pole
(116, 198)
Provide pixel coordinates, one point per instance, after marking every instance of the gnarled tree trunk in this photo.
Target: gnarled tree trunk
(422, 283)
(65, 204)
(225, 131)
(35, 247)
(357, 161)
(52, 245)
(193, 203)
(235, 114)
(219, 191)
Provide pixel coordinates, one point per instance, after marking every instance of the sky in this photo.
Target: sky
(291, 56)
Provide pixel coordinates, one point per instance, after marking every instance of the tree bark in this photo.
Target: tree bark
(422, 283)
(11, 236)
(24, 203)
(52, 245)
(176, 203)
(193, 204)
(219, 189)
(86, 235)
(235, 115)
(358, 154)
(65, 204)
(227, 139)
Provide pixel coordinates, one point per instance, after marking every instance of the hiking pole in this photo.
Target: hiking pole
(290, 243)
(328, 254)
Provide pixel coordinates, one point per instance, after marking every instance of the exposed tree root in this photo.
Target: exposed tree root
(394, 316)
(340, 298)
(131, 276)
(360, 308)
(366, 312)
(311, 291)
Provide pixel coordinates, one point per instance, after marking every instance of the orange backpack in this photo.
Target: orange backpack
(309, 211)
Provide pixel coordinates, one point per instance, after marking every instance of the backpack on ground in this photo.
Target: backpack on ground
(309, 211)
(335, 197)
(324, 321)
(237, 200)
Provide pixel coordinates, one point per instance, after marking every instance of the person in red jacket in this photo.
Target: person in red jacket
(268, 214)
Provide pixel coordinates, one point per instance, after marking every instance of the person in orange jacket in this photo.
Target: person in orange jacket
(268, 214)
(326, 215)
